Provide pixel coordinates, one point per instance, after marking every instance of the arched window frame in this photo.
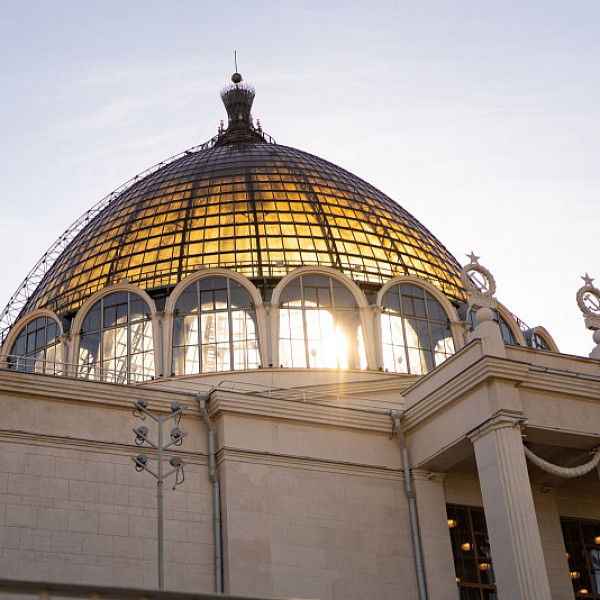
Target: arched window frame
(184, 284)
(91, 302)
(54, 367)
(453, 320)
(508, 319)
(364, 310)
(544, 335)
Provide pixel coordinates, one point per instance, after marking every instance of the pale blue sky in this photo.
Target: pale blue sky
(480, 118)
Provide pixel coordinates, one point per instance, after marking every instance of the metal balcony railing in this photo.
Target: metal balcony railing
(91, 372)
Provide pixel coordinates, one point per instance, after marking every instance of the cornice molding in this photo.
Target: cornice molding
(32, 438)
(564, 383)
(388, 382)
(228, 454)
(314, 412)
(484, 370)
(80, 391)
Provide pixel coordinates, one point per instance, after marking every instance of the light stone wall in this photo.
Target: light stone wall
(580, 499)
(72, 507)
(436, 545)
(568, 500)
(312, 490)
(548, 520)
(71, 513)
(311, 529)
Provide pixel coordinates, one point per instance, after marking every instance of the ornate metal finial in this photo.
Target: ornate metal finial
(479, 283)
(236, 77)
(238, 97)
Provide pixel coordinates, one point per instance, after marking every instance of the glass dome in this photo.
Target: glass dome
(245, 203)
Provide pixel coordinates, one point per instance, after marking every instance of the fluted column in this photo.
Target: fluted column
(516, 548)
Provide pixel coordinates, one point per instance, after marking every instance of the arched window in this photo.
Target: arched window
(319, 325)
(537, 341)
(116, 340)
(37, 347)
(214, 328)
(505, 330)
(415, 330)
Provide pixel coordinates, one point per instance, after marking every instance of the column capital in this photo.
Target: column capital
(501, 419)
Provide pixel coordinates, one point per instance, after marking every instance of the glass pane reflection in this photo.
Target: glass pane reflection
(415, 330)
(261, 209)
(117, 341)
(582, 545)
(319, 325)
(214, 328)
(37, 348)
(473, 563)
(505, 330)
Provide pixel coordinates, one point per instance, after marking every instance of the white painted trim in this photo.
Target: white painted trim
(456, 326)
(358, 295)
(427, 286)
(181, 287)
(93, 300)
(543, 333)
(327, 272)
(512, 324)
(17, 328)
(207, 273)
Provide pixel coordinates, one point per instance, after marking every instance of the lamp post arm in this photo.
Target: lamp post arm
(175, 441)
(145, 411)
(173, 471)
(174, 414)
(146, 439)
(145, 468)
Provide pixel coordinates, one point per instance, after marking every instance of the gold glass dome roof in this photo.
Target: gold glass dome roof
(245, 203)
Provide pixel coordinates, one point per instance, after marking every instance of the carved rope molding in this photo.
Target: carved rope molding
(567, 472)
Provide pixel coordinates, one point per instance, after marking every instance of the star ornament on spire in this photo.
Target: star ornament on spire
(587, 279)
(474, 259)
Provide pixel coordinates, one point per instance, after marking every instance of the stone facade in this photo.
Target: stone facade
(312, 488)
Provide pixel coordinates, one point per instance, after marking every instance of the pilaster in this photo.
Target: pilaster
(517, 553)
(435, 539)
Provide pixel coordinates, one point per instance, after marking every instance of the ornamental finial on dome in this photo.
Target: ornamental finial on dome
(238, 98)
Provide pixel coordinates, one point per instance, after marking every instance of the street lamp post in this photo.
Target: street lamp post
(141, 463)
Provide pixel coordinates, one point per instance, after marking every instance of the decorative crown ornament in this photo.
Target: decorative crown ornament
(588, 300)
(479, 283)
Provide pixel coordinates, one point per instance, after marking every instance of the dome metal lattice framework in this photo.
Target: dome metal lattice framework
(242, 202)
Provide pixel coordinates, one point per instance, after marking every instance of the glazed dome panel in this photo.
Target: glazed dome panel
(258, 208)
